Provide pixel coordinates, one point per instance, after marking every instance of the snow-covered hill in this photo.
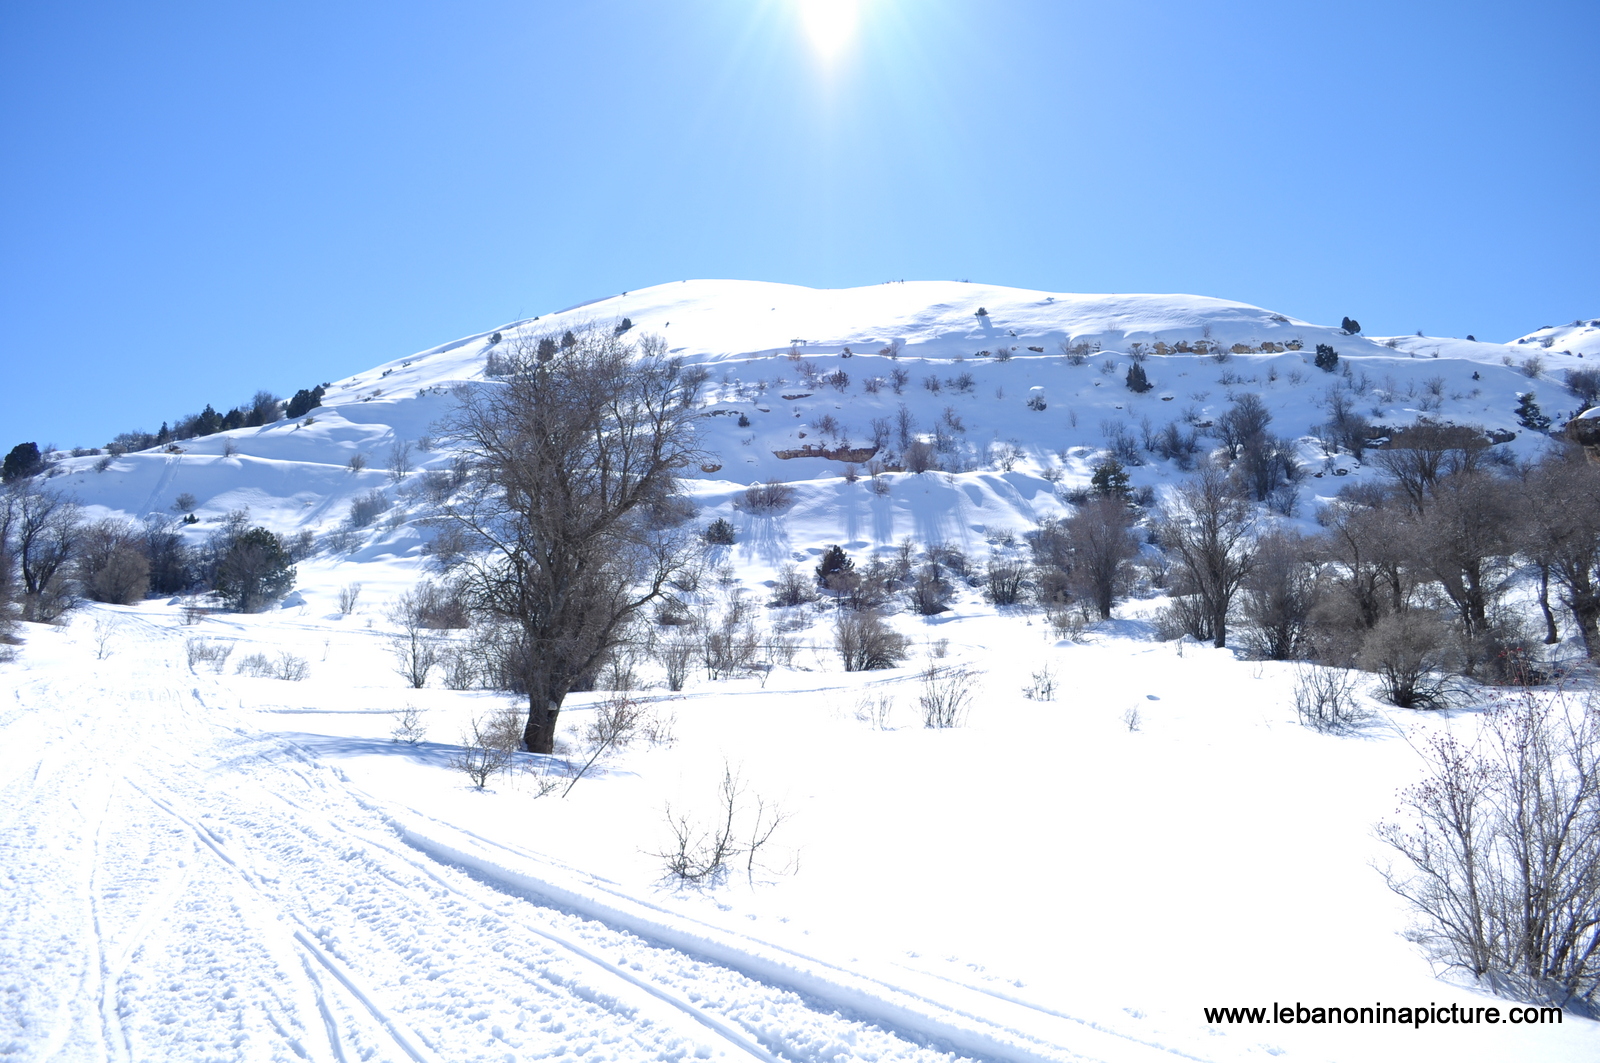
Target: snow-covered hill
(199, 864)
(795, 369)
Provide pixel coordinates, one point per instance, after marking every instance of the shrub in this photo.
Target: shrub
(702, 854)
(366, 508)
(1505, 859)
(792, 588)
(1410, 651)
(1137, 381)
(866, 643)
(1327, 358)
(947, 693)
(1109, 479)
(719, 532)
(408, 726)
(764, 498)
(1350, 325)
(1584, 383)
(1003, 580)
(1325, 699)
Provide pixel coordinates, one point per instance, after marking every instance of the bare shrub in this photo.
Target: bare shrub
(866, 643)
(358, 462)
(1003, 580)
(875, 708)
(792, 587)
(741, 827)
(408, 725)
(213, 653)
(348, 595)
(1412, 654)
(290, 668)
(484, 753)
(366, 508)
(676, 653)
(1043, 685)
(104, 631)
(1504, 853)
(611, 727)
(920, 457)
(459, 667)
(1325, 699)
(947, 693)
(1132, 718)
(767, 497)
(400, 464)
(255, 665)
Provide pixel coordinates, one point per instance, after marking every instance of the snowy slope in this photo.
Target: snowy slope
(294, 476)
(213, 866)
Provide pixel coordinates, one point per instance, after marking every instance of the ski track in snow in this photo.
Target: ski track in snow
(212, 893)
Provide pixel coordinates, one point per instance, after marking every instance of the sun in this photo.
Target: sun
(829, 23)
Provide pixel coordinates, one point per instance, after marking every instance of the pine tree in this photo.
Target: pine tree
(1138, 383)
(1327, 358)
(1110, 478)
(1529, 415)
(834, 561)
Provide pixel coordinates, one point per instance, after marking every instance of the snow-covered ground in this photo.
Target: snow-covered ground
(202, 866)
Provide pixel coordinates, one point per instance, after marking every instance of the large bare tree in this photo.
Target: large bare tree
(1209, 529)
(575, 451)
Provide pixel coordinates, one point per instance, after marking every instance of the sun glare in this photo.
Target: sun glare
(829, 23)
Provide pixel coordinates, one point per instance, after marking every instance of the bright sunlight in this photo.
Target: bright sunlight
(829, 24)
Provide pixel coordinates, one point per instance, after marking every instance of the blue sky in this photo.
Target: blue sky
(198, 200)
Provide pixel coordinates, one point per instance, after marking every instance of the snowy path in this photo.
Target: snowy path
(178, 887)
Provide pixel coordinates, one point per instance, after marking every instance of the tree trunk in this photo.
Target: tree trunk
(1220, 626)
(539, 734)
(1551, 635)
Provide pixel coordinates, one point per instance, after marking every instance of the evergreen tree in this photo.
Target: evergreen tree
(568, 340)
(1110, 478)
(208, 423)
(1327, 358)
(1529, 415)
(1138, 383)
(1350, 325)
(23, 462)
(834, 561)
(547, 348)
(254, 571)
(305, 401)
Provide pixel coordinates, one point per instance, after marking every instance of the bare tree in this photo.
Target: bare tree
(1208, 527)
(40, 528)
(1278, 596)
(414, 646)
(1100, 537)
(574, 453)
(1560, 508)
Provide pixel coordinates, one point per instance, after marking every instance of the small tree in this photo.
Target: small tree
(23, 461)
(254, 571)
(1327, 358)
(834, 561)
(1110, 479)
(1137, 381)
(1529, 415)
(719, 532)
(1350, 325)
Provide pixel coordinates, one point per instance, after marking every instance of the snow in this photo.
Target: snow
(211, 866)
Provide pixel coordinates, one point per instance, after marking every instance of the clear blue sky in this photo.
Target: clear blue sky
(201, 199)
